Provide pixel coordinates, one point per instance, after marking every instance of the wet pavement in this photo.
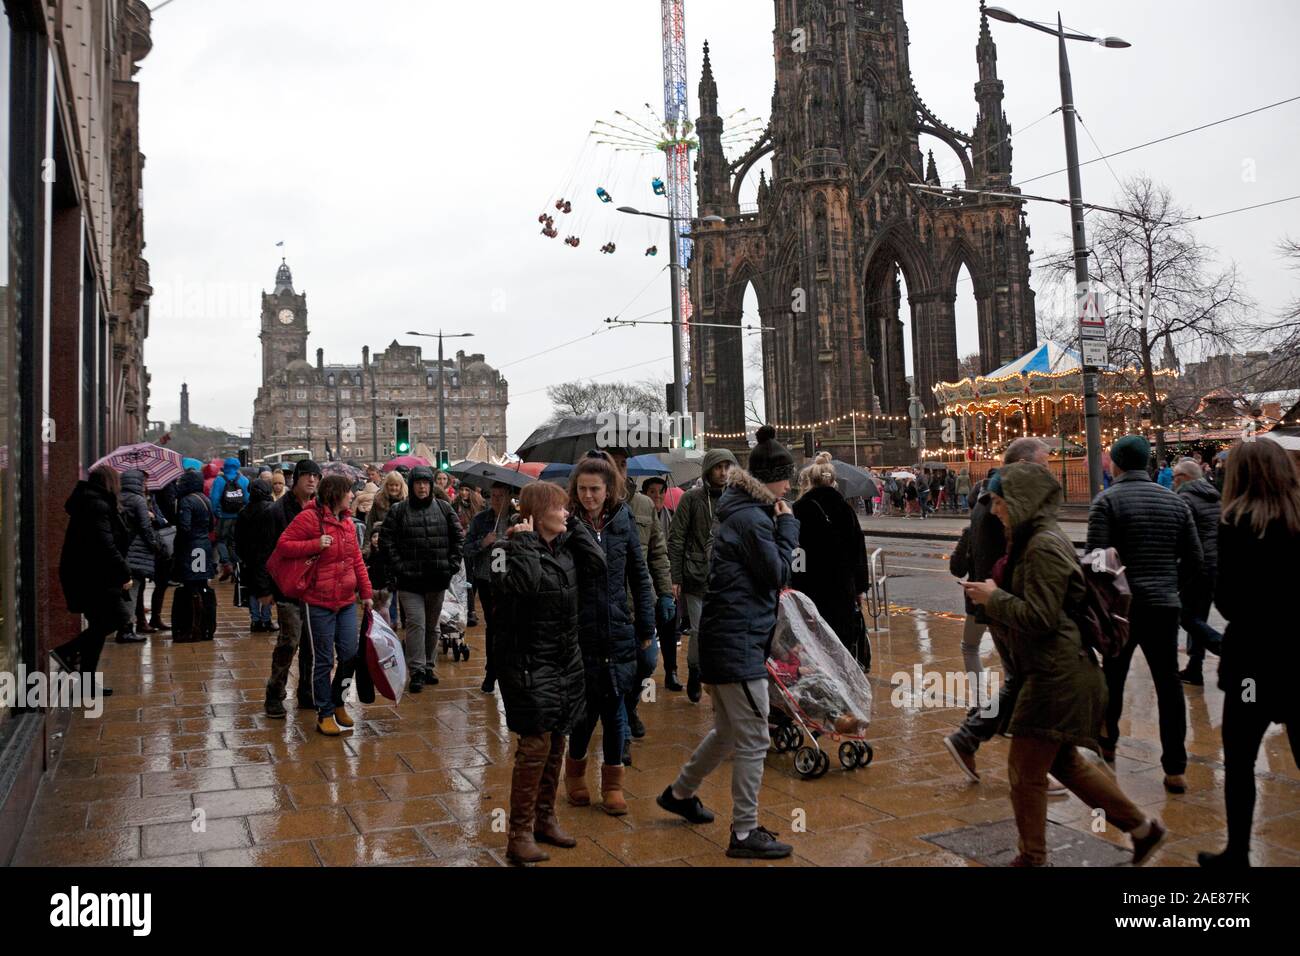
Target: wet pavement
(183, 768)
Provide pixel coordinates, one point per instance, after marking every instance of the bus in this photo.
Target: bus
(286, 458)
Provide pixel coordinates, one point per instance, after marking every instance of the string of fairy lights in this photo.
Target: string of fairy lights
(824, 423)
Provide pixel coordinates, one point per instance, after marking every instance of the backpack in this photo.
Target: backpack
(232, 497)
(1103, 616)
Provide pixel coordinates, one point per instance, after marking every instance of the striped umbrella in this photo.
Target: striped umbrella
(161, 465)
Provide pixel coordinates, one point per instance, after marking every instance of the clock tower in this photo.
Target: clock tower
(284, 325)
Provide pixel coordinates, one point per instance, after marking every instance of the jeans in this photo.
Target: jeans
(1028, 763)
(258, 613)
(647, 659)
(135, 601)
(1155, 630)
(740, 732)
(981, 723)
(287, 642)
(1199, 634)
(421, 613)
(226, 541)
(485, 597)
(695, 607)
(971, 636)
(668, 641)
(329, 630)
(611, 713)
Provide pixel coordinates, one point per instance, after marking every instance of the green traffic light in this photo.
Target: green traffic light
(688, 443)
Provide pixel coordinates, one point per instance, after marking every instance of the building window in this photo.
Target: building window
(302, 413)
(300, 394)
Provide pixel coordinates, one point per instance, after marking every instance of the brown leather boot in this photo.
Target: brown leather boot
(611, 790)
(530, 762)
(546, 826)
(575, 782)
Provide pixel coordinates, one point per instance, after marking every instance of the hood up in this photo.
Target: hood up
(1030, 492)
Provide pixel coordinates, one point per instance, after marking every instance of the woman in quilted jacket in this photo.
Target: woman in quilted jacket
(323, 531)
(539, 662)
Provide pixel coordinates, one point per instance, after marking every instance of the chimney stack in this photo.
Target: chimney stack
(320, 360)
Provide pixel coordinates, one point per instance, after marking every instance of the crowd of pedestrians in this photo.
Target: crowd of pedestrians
(585, 590)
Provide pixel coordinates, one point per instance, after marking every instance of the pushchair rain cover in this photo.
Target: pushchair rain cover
(455, 607)
(815, 670)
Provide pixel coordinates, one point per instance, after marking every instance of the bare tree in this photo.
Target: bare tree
(755, 398)
(1282, 335)
(589, 397)
(1162, 284)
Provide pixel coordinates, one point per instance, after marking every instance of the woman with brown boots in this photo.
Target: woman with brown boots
(539, 663)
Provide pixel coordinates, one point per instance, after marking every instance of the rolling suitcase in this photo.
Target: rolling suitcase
(183, 615)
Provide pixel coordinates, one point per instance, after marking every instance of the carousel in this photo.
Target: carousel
(1040, 394)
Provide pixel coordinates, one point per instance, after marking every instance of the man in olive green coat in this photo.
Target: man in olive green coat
(689, 538)
(1062, 697)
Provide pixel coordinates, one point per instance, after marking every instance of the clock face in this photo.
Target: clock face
(286, 316)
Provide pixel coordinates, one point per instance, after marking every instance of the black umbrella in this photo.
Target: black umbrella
(482, 474)
(569, 439)
(852, 481)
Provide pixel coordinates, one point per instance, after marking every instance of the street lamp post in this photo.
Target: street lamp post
(674, 267)
(1091, 410)
(442, 395)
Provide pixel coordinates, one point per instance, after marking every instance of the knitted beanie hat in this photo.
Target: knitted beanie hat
(1130, 453)
(769, 460)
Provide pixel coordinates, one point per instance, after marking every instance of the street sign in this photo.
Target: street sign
(1092, 311)
(1094, 352)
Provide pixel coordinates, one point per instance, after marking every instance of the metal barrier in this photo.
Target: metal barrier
(877, 590)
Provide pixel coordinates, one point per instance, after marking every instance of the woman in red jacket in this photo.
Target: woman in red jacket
(323, 530)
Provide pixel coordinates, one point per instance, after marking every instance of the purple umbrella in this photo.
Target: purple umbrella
(161, 465)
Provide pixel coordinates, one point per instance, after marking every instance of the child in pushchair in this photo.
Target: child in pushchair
(451, 622)
(818, 689)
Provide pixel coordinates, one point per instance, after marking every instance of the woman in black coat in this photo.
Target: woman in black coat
(195, 560)
(1259, 539)
(92, 567)
(609, 629)
(142, 553)
(537, 656)
(248, 525)
(834, 570)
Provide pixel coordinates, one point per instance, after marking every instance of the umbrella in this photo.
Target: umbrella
(483, 475)
(853, 482)
(686, 470)
(902, 475)
(410, 461)
(556, 472)
(642, 466)
(671, 497)
(571, 438)
(252, 471)
(533, 469)
(341, 468)
(161, 465)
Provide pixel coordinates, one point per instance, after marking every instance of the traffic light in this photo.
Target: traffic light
(444, 460)
(402, 435)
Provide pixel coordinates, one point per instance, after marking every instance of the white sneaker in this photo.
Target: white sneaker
(1055, 788)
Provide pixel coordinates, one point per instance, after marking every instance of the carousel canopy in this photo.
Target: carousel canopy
(1047, 358)
(1049, 371)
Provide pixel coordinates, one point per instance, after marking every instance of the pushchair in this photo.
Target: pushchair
(451, 622)
(818, 690)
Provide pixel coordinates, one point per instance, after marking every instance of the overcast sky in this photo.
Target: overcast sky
(403, 151)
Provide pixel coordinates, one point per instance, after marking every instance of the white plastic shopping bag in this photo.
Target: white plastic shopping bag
(384, 659)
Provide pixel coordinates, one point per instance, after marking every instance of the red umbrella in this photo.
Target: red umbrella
(410, 461)
(671, 497)
(533, 469)
(161, 465)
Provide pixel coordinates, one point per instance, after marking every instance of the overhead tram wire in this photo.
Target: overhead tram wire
(1100, 153)
(993, 146)
(595, 375)
(1163, 139)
